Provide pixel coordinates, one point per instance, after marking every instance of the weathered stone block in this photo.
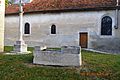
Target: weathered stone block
(70, 49)
(65, 57)
(20, 46)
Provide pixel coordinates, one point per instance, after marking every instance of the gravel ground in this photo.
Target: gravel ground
(105, 51)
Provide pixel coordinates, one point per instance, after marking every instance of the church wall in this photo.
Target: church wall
(68, 27)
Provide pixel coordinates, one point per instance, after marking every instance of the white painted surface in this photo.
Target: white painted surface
(2, 10)
(68, 24)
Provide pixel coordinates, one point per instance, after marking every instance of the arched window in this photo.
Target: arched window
(53, 29)
(27, 28)
(106, 26)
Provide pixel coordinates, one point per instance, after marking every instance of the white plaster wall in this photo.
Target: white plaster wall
(68, 24)
(2, 10)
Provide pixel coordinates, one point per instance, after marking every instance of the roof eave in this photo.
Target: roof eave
(67, 10)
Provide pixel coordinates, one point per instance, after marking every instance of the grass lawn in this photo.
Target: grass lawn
(95, 67)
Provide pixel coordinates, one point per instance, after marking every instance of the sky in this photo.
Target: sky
(17, 1)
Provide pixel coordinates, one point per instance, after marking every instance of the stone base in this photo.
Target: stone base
(58, 59)
(20, 47)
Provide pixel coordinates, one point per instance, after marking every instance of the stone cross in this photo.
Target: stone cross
(20, 46)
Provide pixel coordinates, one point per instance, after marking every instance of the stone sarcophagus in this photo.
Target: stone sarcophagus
(66, 56)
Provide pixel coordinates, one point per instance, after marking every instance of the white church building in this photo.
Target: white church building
(54, 23)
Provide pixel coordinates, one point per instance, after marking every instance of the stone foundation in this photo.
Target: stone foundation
(20, 46)
(67, 56)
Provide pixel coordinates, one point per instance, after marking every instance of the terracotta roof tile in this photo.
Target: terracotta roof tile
(44, 5)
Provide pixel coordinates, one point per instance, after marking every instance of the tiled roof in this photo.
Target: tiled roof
(50, 5)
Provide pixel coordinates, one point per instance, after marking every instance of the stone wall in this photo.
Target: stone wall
(68, 24)
(67, 56)
(2, 10)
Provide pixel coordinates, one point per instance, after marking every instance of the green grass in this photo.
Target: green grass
(95, 67)
(8, 48)
(54, 49)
